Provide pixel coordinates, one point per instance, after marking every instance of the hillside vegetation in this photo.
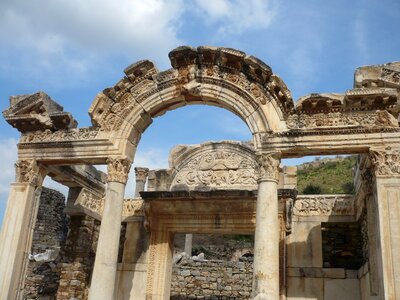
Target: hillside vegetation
(327, 176)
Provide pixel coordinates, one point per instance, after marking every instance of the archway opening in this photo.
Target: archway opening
(188, 125)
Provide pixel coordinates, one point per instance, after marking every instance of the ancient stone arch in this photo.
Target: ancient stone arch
(221, 77)
(361, 121)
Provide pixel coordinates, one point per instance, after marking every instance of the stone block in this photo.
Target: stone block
(305, 288)
(348, 289)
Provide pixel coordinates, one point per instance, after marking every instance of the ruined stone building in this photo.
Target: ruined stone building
(98, 245)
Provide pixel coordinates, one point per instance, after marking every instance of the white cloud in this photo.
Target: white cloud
(237, 16)
(8, 154)
(152, 158)
(51, 184)
(360, 37)
(235, 126)
(71, 36)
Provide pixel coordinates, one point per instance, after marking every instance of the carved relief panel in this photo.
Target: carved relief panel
(222, 167)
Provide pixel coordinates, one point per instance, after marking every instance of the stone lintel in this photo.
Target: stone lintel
(311, 272)
(190, 195)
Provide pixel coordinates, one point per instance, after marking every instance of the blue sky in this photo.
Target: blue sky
(73, 49)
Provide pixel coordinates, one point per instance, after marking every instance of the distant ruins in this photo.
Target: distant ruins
(103, 246)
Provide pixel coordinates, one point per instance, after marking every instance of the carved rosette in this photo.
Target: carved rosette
(268, 166)
(118, 169)
(27, 171)
(386, 162)
(141, 174)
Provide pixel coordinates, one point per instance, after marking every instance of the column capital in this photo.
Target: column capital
(268, 166)
(141, 174)
(118, 169)
(386, 162)
(27, 171)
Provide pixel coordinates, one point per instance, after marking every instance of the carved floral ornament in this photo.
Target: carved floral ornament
(46, 136)
(390, 75)
(386, 162)
(118, 169)
(379, 118)
(217, 168)
(268, 166)
(323, 206)
(27, 171)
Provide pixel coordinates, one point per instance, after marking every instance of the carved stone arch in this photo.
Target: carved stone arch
(220, 77)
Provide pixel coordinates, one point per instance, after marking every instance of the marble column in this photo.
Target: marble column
(266, 239)
(386, 166)
(105, 265)
(188, 244)
(136, 241)
(18, 223)
(141, 175)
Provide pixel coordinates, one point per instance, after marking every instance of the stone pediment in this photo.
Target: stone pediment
(224, 165)
(214, 165)
(36, 112)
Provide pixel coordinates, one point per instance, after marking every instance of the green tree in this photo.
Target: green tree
(312, 189)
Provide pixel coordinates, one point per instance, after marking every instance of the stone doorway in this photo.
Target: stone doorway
(212, 266)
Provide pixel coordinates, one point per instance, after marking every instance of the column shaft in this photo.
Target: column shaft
(266, 243)
(105, 266)
(266, 238)
(14, 237)
(188, 243)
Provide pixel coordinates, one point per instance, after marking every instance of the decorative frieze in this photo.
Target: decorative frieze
(118, 169)
(380, 118)
(268, 165)
(323, 205)
(386, 162)
(133, 207)
(90, 201)
(27, 171)
(75, 134)
(390, 75)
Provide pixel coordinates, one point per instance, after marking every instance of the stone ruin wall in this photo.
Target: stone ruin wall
(211, 280)
(62, 253)
(49, 235)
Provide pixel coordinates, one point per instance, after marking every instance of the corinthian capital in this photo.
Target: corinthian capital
(141, 174)
(386, 162)
(268, 166)
(118, 169)
(27, 171)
